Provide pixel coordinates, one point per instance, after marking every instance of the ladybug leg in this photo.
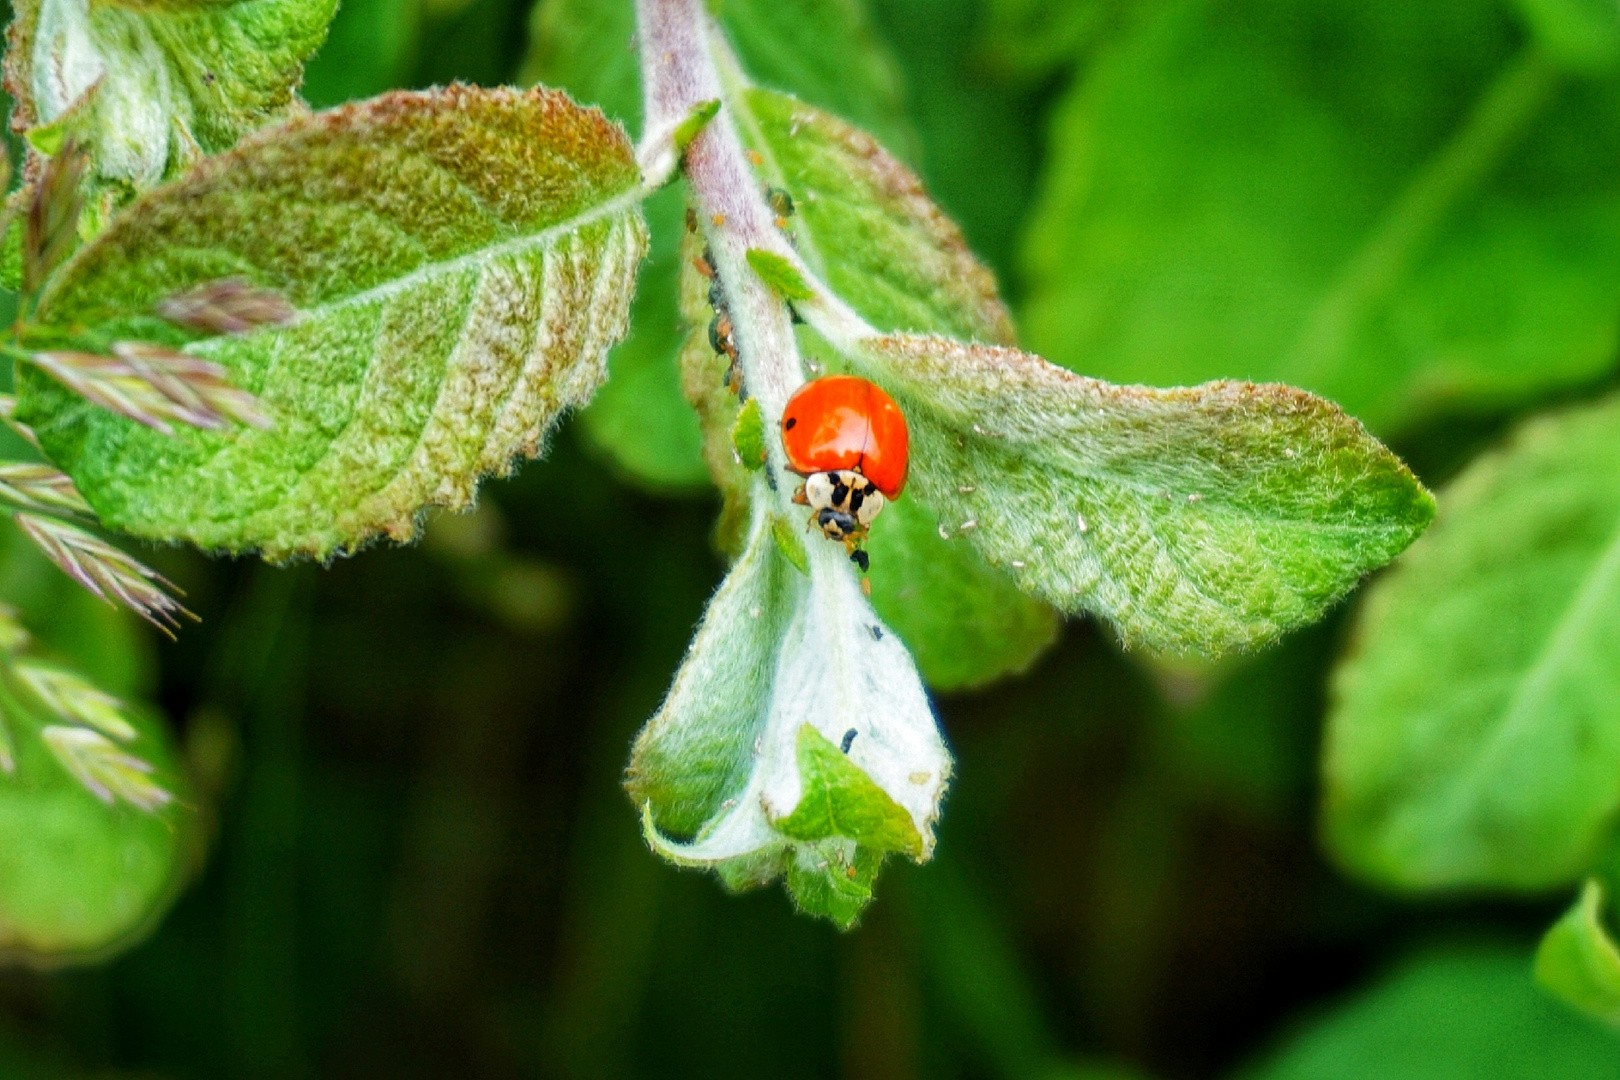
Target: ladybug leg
(799, 497)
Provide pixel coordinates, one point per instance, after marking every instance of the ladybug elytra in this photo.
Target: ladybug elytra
(848, 439)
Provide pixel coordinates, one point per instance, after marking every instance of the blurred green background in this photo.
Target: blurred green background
(420, 862)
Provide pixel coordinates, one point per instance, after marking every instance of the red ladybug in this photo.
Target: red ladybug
(848, 439)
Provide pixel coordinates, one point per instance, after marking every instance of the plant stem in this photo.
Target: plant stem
(679, 74)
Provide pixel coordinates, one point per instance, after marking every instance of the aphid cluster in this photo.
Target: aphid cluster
(721, 338)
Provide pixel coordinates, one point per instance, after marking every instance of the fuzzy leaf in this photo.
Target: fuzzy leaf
(1475, 739)
(1224, 199)
(1200, 519)
(166, 82)
(865, 225)
(459, 260)
(747, 756)
(1578, 960)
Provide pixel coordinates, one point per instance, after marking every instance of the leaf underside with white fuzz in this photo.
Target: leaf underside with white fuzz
(796, 739)
(459, 262)
(1475, 738)
(863, 222)
(171, 81)
(1195, 520)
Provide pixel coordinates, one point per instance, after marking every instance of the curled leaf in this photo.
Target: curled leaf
(796, 738)
(153, 87)
(1199, 519)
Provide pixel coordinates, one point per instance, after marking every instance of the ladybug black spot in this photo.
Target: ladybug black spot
(787, 425)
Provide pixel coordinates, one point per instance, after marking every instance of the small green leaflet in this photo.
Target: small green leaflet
(155, 86)
(460, 261)
(1475, 737)
(1578, 959)
(841, 800)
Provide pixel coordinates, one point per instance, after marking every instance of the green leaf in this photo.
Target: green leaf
(1583, 35)
(587, 47)
(170, 81)
(1035, 39)
(1224, 199)
(460, 261)
(79, 877)
(865, 225)
(819, 887)
(827, 53)
(841, 800)
(1476, 735)
(796, 738)
(1578, 960)
(1449, 1015)
(1199, 519)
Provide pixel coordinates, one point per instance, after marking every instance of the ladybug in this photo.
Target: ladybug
(848, 439)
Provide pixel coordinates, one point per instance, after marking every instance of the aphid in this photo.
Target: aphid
(849, 740)
(848, 439)
(781, 204)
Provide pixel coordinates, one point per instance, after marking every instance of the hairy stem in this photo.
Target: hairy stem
(679, 74)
